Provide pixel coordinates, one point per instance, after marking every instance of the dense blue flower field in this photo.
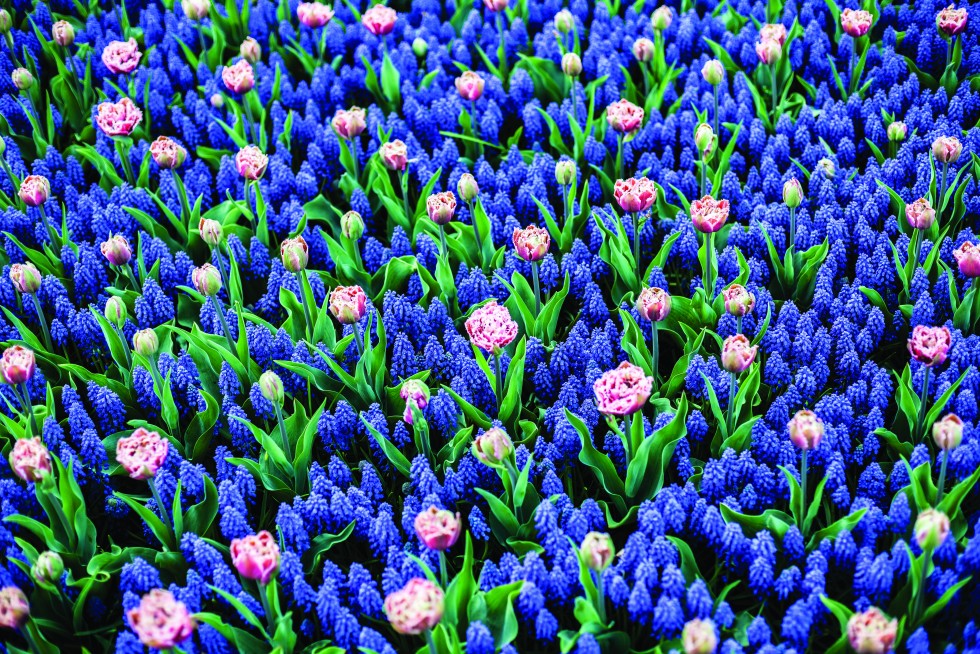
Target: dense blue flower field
(489, 327)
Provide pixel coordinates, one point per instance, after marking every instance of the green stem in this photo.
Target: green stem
(403, 180)
(443, 573)
(473, 124)
(248, 206)
(731, 403)
(923, 579)
(941, 203)
(126, 163)
(716, 111)
(430, 642)
(306, 307)
(442, 241)
(537, 289)
(161, 507)
(655, 341)
(358, 339)
(738, 325)
(564, 204)
(949, 51)
(225, 280)
(709, 254)
(224, 323)
(203, 45)
(574, 92)
(476, 232)
(502, 50)
(52, 233)
(627, 442)
(792, 228)
(263, 596)
(636, 250)
(499, 381)
(600, 597)
(802, 516)
(850, 67)
(942, 477)
(357, 163)
(513, 475)
(44, 322)
(619, 154)
(772, 68)
(251, 121)
(286, 447)
(923, 398)
(29, 410)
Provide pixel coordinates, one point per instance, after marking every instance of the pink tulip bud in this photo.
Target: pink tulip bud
(929, 345)
(441, 207)
(491, 328)
(948, 432)
(14, 608)
(493, 447)
(871, 632)
(653, 304)
(531, 243)
(115, 311)
(931, 529)
(774, 31)
(635, 195)
(623, 390)
(196, 9)
(624, 116)
(738, 300)
(897, 131)
(920, 214)
(662, 18)
(855, 23)
(713, 72)
(160, 621)
(30, 460)
(951, 21)
(63, 33)
(437, 529)
(239, 77)
(597, 551)
(415, 608)
(467, 187)
(210, 231)
(709, 215)
(142, 454)
(792, 193)
(167, 153)
(349, 123)
(416, 395)
(146, 342)
(352, 225)
(968, 258)
(699, 637)
(34, 190)
(295, 254)
(217, 100)
(22, 79)
(122, 56)
(118, 118)
(806, 430)
(643, 49)
(947, 149)
(470, 85)
(496, 5)
(769, 51)
(116, 250)
(394, 154)
(25, 278)
(379, 20)
(48, 568)
(256, 557)
(564, 21)
(207, 280)
(348, 304)
(251, 163)
(17, 365)
(737, 353)
(571, 64)
(270, 384)
(250, 50)
(314, 14)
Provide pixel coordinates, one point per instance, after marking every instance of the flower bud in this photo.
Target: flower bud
(211, 231)
(467, 187)
(653, 304)
(662, 17)
(792, 193)
(115, 311)
(167, 153)
(951, 21)
(597, 551)
(470, 85)
(496, 5)
(947, 149)
(931, 529)
(806, 430)
(295, 254)
(856, 23)
(897, 131)
(713, 72)
(271, 386)
(968, 258)
(418, 606)
(420, 47)
(34, 190)
(416, 395)
(565, 172)
(146, 343)
(493, 447)
(948, 432)
(703, 136)
(699, 637)
(17, 365)
(379, 20)
(217, 100)
(25, 278)
(643, 49)
(22, 79)
(349, 123)
(30, 459)
(769, 51)
(571, 64)
(6, 22)
(929, 345)
(14, 608)
(737, 353)
(739, 302)
(827, 167)
(256, 557)
(564, 21)
(250, 50)
(394, 154)
(196, 9)
(117, 251)
(348, 304)
(437, 529)
(871, 632)
(48, 568)
(142, 454)
(441, 207)
(207, 280)
(352, 225)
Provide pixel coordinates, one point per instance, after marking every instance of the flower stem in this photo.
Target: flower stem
(802, 516)
(565, 204)
(636, 250)
(919, 427)
(430, 642)
(709, 255)
(942, 477)
(443, 574)
(306, 307)
(792, 228)
(52, 233)
(161, 507)
(537, 289)
(941, 201)
(203, 45)
(923, 579)
(498, 379)
(619, 154)
(731, 402)
(738, 325)
(655, 342)
(286, 447)
(445, 245)
(600, 597)
(772, 68)
(358, 339)
(476, 232)
(125, 345)
(224, 323)
(251, 121)
(357, 163)
(29, 409)
(44, 323)
(716, 117)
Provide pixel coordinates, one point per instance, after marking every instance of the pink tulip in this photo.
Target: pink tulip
(769, 51)
(947, 149)
(931, 529)
(314, 14)
(871, 632)
(441, 207)
(806, 430)
(167, 153)
(496, 5)
(739, 302)
(349, 123)
(416, 395)
(116, 250)
(653, 304)
(531, 243)
(17, 365)
(142, 454)
(379, 20)
(437, 529)
(597, 551)
(643, 49)
(920, 214)
(118, 118)
(929, 345)
(948, 432)
(25, 277)
(634, 194)
(470, 86)
(160, 621)
(251, 163)
(855, 23)
(348, 304)
(623, 390)
(968, 258)
(63, 33)
(662, 17)
(774, 31)
(737, 353)
(415, 608)
(624, 116)
(709, 215)
(491, 328)
(122, 56)
(30, 460)
(699, 637)
(239, 77)
(256, 557)
(951, 21)
(493, 447)
(34, 190)
(394, 154)
(713, 72)
(295, 254)
(14, 608)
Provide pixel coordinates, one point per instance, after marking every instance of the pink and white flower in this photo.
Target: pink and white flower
(142, 454)
(122, 56)
(118, 118)
(622, 391)
(161, 621)
(491, 328)
(256, 556)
